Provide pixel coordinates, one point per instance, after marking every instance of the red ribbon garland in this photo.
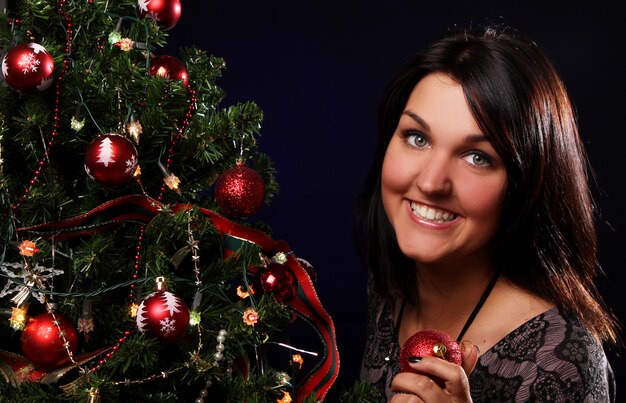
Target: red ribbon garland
(143, 209)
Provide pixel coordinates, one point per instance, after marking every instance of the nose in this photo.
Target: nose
(434, 176)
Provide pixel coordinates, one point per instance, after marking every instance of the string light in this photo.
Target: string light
(28, 248)
(250, 317)
(134, 128)
(18, 317)
(297, 359)
(285, 399)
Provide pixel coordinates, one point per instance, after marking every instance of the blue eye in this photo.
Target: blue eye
(478, 159)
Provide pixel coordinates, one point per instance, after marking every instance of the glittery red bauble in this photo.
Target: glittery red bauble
(111, 160)
(163, 315)
(279, 280)
(165, 12)
(169, 67)
(42, 343)
(28, 67)
(430, 343)
(240, 191)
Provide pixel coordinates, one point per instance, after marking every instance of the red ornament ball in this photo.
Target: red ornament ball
(432, 343)
(165, 12)
(163, 315)
(42, 343)
(111, 160)
(28, 67)
(240, 191)
(170, 68)
(277, 279)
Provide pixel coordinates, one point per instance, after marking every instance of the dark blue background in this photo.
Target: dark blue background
(318, 68)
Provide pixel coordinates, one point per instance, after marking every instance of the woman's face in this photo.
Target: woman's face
(443, 184)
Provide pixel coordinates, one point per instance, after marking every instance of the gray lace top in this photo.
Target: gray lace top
(552, 357)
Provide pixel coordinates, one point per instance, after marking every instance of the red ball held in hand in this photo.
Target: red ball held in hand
(430, 343)
(28, 67)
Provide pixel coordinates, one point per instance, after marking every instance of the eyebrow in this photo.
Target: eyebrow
(470, 138)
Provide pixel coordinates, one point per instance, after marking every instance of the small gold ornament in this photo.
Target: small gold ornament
(440, 350)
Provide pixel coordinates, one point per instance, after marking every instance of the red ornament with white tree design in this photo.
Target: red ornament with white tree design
(163, 315)
(111, 160)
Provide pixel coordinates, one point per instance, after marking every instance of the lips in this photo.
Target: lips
(432, 214)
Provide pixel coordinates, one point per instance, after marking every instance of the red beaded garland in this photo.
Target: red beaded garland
(56, 119)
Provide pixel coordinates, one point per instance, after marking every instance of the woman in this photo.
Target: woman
(476, 220)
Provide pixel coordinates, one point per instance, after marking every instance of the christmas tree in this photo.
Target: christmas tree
(131, 264)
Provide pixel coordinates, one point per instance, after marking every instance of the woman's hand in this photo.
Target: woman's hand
(416, 388)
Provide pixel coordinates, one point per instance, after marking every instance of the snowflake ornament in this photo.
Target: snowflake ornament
(28, 67)
(31, 280)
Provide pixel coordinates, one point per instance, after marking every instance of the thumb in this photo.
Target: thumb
(469, 353)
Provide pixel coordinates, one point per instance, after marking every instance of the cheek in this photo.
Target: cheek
(395, 177)
(485, 201)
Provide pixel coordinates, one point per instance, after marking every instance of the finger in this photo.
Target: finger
(452, 379)
(405, 398)
(421, 386)
(470, 353)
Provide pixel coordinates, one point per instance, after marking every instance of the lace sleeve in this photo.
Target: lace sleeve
(552, 357)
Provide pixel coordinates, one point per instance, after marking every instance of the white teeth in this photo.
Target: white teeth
(432, 214)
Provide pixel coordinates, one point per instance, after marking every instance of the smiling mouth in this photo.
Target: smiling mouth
(431, 214)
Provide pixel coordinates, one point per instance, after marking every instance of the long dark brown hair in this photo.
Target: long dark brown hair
(546, 242)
